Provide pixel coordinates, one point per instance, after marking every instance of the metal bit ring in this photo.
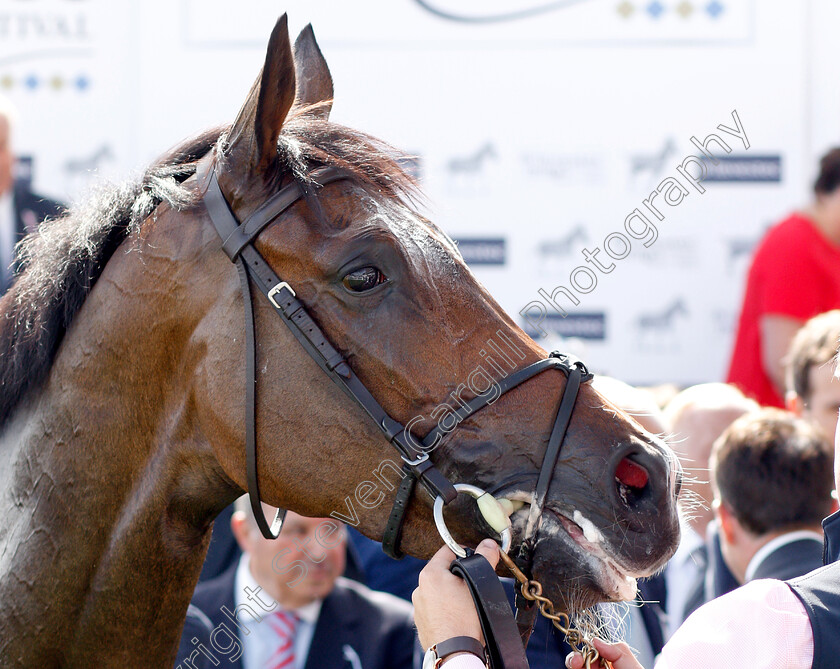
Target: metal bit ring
(472, 491)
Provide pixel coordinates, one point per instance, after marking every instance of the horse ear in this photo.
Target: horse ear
(314, 83)
(252, 141)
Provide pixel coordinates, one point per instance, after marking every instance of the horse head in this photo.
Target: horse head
(392, 294)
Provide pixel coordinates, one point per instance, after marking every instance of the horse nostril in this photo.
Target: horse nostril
(631, 479)
(631, 474)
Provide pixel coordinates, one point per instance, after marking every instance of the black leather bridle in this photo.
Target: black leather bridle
(238, 242)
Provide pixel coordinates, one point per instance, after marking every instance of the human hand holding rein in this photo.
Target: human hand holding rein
(443, 606)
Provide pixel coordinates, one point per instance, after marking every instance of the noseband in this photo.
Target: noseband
(238, 242)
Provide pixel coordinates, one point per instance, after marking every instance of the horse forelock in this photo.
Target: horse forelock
(62, 261)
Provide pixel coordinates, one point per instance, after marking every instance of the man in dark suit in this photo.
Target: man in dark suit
(772, 476)
(697, 416)
(21, 210)
(284, 605)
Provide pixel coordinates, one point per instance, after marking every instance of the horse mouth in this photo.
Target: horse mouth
(617, 582)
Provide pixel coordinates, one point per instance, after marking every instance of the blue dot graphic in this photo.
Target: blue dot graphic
(655, 9)
(714, 9)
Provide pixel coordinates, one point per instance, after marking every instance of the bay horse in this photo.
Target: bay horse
(122, 412)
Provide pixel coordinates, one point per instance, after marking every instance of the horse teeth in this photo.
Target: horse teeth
(590, 532)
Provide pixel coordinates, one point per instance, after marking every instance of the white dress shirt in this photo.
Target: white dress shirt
(761, 625)
(680, 576)
(259, 645)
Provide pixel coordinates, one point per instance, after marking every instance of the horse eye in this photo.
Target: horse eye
(363, 279)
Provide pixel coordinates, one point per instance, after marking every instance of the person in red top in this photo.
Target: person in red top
(795, 274)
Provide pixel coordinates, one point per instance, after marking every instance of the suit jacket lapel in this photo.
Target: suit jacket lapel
(18, 204)
(334, 629)
(217, 593)
(8, 239)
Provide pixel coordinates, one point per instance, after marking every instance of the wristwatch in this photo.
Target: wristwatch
(457, 644)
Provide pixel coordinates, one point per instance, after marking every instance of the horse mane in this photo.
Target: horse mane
(61, 261)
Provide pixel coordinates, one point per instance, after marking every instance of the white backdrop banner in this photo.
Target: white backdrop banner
(555, 140)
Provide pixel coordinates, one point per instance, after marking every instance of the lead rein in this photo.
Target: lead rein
(529, 589)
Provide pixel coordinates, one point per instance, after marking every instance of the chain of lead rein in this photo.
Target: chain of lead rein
(532, 591)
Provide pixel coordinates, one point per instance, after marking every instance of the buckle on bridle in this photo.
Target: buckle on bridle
(570, 361)
(419, 461)
(280, 286)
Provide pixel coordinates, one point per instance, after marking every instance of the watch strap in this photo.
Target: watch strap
(460, 644)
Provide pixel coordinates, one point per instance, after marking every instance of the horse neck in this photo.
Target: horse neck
(114, 487)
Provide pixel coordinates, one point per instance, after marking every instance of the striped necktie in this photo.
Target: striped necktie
(284, 624)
